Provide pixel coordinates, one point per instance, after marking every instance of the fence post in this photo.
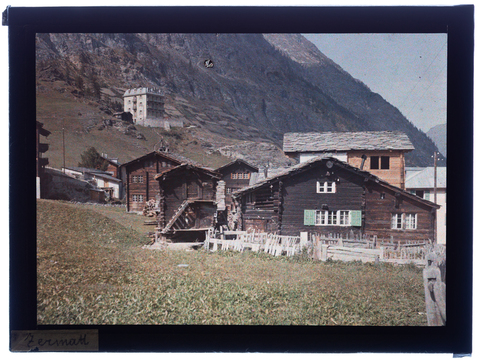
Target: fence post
(434, 292)
(324, 252)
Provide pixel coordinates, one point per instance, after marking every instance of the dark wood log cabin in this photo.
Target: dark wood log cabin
(328, 196)
(187, 199)
(382, 153)
(237, 175)
(138, 177)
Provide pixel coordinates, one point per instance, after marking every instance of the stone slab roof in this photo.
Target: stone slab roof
(424, 178)
(345, 141)
(292, 171)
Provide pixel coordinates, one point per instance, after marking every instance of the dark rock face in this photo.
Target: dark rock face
(256, 87)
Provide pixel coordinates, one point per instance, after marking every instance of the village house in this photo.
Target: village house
(329, 196)
(382, 153)
(236, 175)
(102, 180)
(421, 182)
(41, 161)
(113, 166)
(138, 177)
(187, 201)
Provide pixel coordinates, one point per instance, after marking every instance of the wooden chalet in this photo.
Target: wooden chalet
(329, 196)
(187, 201)
(138, 177)
(382, 153)
(41, 161)
(236, 174)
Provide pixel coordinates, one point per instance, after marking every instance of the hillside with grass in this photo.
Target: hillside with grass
(92, 269)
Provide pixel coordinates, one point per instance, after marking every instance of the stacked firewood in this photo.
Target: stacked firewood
(150, 209)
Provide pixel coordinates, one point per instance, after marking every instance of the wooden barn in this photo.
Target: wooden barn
(138, 177)
(236, 175)
(187, 201)
(382, 153)
(329, 196)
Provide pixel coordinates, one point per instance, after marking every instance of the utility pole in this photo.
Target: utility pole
(435, 177)
(63, 142)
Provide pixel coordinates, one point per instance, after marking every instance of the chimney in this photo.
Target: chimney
(265, 171)
(364, 157)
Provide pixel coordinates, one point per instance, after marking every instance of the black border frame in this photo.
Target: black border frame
(457, 21)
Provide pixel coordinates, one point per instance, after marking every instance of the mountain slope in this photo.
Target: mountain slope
(260, 86)
(439, 136)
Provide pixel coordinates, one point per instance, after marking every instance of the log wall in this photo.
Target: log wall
(378, 215)
(148, 168)
(300, 193)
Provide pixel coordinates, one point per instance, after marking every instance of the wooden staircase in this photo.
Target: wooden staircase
(175, 217)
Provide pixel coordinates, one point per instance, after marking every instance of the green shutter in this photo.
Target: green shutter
(356, 218)
(426, 195)
(309, 217)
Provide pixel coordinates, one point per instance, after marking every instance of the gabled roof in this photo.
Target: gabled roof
(424, 178)
(345, 141)
(111, 161)
(169, 156)
(307, 165)
(175, 170)
(237, 161)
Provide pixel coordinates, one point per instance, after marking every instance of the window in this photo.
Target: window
(410, 221)
(137, 198)
(397, 222)
(385, 162)
(424, 194)
(379, 162)
(343, 217)
(245, 176)
(404, 221)
(333, 218)
(229, 190)
(326, 187)
(137, 179)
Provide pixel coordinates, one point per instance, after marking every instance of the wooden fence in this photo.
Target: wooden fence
(323, 247)
(241, 240)
(348, 248)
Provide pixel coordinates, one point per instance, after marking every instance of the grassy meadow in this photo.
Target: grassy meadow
(91, 269)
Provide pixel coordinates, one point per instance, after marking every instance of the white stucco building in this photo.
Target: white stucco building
(421, 182)
(147, 107)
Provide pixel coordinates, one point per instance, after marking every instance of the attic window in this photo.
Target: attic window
(326, 187)
(380, 162)
(245, 176)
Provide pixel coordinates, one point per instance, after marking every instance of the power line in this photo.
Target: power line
(426, 70)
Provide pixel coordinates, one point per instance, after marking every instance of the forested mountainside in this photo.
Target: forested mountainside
(259, 87)
(438, 134)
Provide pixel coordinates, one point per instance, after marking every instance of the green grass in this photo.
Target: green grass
(92, 270)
